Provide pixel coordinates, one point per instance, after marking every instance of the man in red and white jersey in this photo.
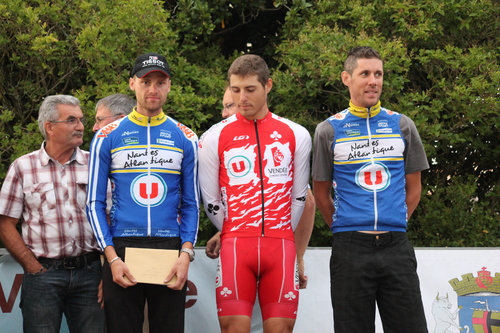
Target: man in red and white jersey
(254, 171)
(304, 227)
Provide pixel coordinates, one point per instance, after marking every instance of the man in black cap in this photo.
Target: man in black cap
(151, 161)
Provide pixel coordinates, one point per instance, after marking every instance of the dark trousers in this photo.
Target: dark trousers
(368, 270)
(124, 308)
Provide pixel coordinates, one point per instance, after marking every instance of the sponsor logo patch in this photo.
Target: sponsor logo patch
(383, 130)
(239, 166)
(148, 190)
(383, 123)
(165, 142)
(352, 132)
(348, 125)
(129, 133)
(186, 130)
(130, 141)
(106, 130)
(373, 177)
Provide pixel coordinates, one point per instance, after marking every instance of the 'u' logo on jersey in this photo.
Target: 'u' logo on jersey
(378, 178)
(148, 190)
(239, 166)
(373, 177)
(143, 191)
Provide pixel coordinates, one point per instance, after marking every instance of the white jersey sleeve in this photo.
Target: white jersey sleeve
(302, 169)
(209, 176)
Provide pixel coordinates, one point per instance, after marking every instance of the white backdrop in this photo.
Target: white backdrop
(437, 266)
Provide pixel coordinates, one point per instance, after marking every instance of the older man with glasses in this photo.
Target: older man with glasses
(45, 191)
(111, 108)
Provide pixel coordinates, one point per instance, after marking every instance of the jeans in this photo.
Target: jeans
(73, 292)
(368, 270)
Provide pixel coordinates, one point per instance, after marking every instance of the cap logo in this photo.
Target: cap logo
(153, 61)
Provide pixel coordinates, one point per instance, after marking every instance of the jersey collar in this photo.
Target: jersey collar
(363, 112)
(266, 118)
(143, 120)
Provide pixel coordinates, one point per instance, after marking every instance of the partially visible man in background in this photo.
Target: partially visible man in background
(111, 108)
(45, 191)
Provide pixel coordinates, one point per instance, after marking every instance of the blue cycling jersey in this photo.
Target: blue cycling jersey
(366, 155)
(369, 173)
(152, 165)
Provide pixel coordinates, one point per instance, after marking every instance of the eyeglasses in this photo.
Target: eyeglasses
(71, 121)
(229, 106)
(99, 119)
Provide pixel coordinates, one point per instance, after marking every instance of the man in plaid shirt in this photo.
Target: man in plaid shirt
(45, 191)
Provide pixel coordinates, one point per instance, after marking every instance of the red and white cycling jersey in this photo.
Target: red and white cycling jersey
(254, 175)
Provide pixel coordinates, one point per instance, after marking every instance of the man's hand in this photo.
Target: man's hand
(213, 246)
(17, 248)
(100, 295)
(121, 274)
(302, 277)
(119, 270)
(180, 269)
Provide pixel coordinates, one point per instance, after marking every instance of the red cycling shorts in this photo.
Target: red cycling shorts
(266, 265)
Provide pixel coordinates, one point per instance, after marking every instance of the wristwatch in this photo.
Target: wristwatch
(189, 251)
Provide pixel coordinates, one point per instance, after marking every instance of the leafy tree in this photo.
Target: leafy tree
(442, 69)
(441, 62)
(86, 48)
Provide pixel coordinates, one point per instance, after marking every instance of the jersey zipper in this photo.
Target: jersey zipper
(149, 185)
(261, 172)
(375, 207)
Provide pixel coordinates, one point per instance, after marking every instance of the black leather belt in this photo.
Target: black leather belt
(71, 262)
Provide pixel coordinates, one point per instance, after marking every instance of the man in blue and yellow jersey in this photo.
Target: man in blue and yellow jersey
(151, 161)
(372, 157)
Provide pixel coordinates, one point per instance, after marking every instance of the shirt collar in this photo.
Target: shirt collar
(77, 156)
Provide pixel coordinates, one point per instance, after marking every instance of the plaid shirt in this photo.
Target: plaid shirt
(51, 199)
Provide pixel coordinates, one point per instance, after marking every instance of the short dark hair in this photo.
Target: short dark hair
(359, 52)
(249, 64)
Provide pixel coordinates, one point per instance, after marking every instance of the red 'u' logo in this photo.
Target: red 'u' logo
(143, 191)
(238, 167)
(378, 178)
